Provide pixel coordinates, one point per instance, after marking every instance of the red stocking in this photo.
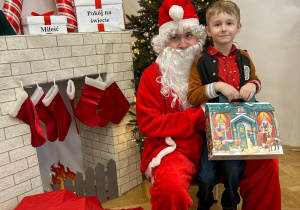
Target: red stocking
(71, 94)
(119, 99)
(24, 110)
(86, 109)
(44, 114)
(106, 108)
(56, 106)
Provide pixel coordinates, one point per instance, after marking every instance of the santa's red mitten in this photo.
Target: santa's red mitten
(86, 109)
(119, 99)
(106, 108)
(71, 93)
(44, 114)
(24, 110)
(58, 109)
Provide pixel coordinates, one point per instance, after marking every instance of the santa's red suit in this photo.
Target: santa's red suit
(171, 163)
(260, 186)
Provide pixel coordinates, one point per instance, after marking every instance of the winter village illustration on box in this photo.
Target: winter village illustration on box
(242, 131)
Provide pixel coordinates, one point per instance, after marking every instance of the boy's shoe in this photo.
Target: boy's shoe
(201, 208)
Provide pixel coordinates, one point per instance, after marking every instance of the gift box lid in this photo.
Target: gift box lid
(259, 106)
(93, 2)
(30, 20)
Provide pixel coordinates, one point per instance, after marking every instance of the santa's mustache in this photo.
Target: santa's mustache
(175, 66)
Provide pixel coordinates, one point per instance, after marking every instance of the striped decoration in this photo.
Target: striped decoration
(66, 8)
(12, 10)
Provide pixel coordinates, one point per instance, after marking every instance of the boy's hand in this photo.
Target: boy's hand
(227, 90)
(247, 91)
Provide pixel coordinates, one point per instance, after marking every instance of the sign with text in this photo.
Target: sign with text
(39, 25)
(111, 17)
(97, 16)
(45, 29)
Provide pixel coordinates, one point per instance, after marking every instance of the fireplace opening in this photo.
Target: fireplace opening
(60, 159)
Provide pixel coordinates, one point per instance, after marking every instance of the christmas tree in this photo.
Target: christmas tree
(144, 26)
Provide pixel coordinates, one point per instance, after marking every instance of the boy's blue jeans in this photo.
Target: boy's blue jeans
(209, 175)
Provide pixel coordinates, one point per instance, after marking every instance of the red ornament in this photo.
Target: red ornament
(12, 10)
(66, 8)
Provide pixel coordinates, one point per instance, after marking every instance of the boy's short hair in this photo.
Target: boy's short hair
(223, 6)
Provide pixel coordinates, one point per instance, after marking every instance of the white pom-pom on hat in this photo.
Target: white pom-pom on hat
(174, 15)
(176, 12)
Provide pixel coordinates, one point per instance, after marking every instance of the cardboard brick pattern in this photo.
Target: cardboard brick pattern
(40, 58)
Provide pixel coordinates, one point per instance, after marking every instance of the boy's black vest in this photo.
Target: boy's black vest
(210, 67)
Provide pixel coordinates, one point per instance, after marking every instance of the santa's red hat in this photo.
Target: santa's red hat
(175, 14)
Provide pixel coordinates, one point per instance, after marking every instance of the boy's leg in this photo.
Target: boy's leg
(232, 171)
(208, 176)
(172, 180)
(260, 187)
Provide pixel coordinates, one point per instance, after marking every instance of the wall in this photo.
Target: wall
(32, 59)
(271, 34)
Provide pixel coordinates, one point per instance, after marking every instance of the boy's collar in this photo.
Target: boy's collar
(213, 51)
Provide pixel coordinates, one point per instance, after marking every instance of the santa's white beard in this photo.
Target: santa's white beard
(175, 66)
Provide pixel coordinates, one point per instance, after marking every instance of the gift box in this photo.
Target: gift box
(242, 131)
(99, 15)
(44, 24)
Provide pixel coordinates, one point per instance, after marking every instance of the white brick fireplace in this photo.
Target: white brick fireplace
(32, 59)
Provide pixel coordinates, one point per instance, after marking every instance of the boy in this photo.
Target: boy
(227, 70)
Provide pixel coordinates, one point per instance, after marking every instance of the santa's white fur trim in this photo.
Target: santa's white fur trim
(70, 89)
(50, 95)
(173, 25)
(37, 94)
(95, 83)
(176, 12)
(14, 110)
(156, 160)
(159, 41)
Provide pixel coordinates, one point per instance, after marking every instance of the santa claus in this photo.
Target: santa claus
(174, 128)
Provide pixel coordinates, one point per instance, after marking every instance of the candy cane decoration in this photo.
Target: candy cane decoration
(12, 10)
(66, 8)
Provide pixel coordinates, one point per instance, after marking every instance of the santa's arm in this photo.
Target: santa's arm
(151, 119)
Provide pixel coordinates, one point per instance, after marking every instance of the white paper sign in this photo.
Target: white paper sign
(45, 29)
(98, 16)
(88, 18)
